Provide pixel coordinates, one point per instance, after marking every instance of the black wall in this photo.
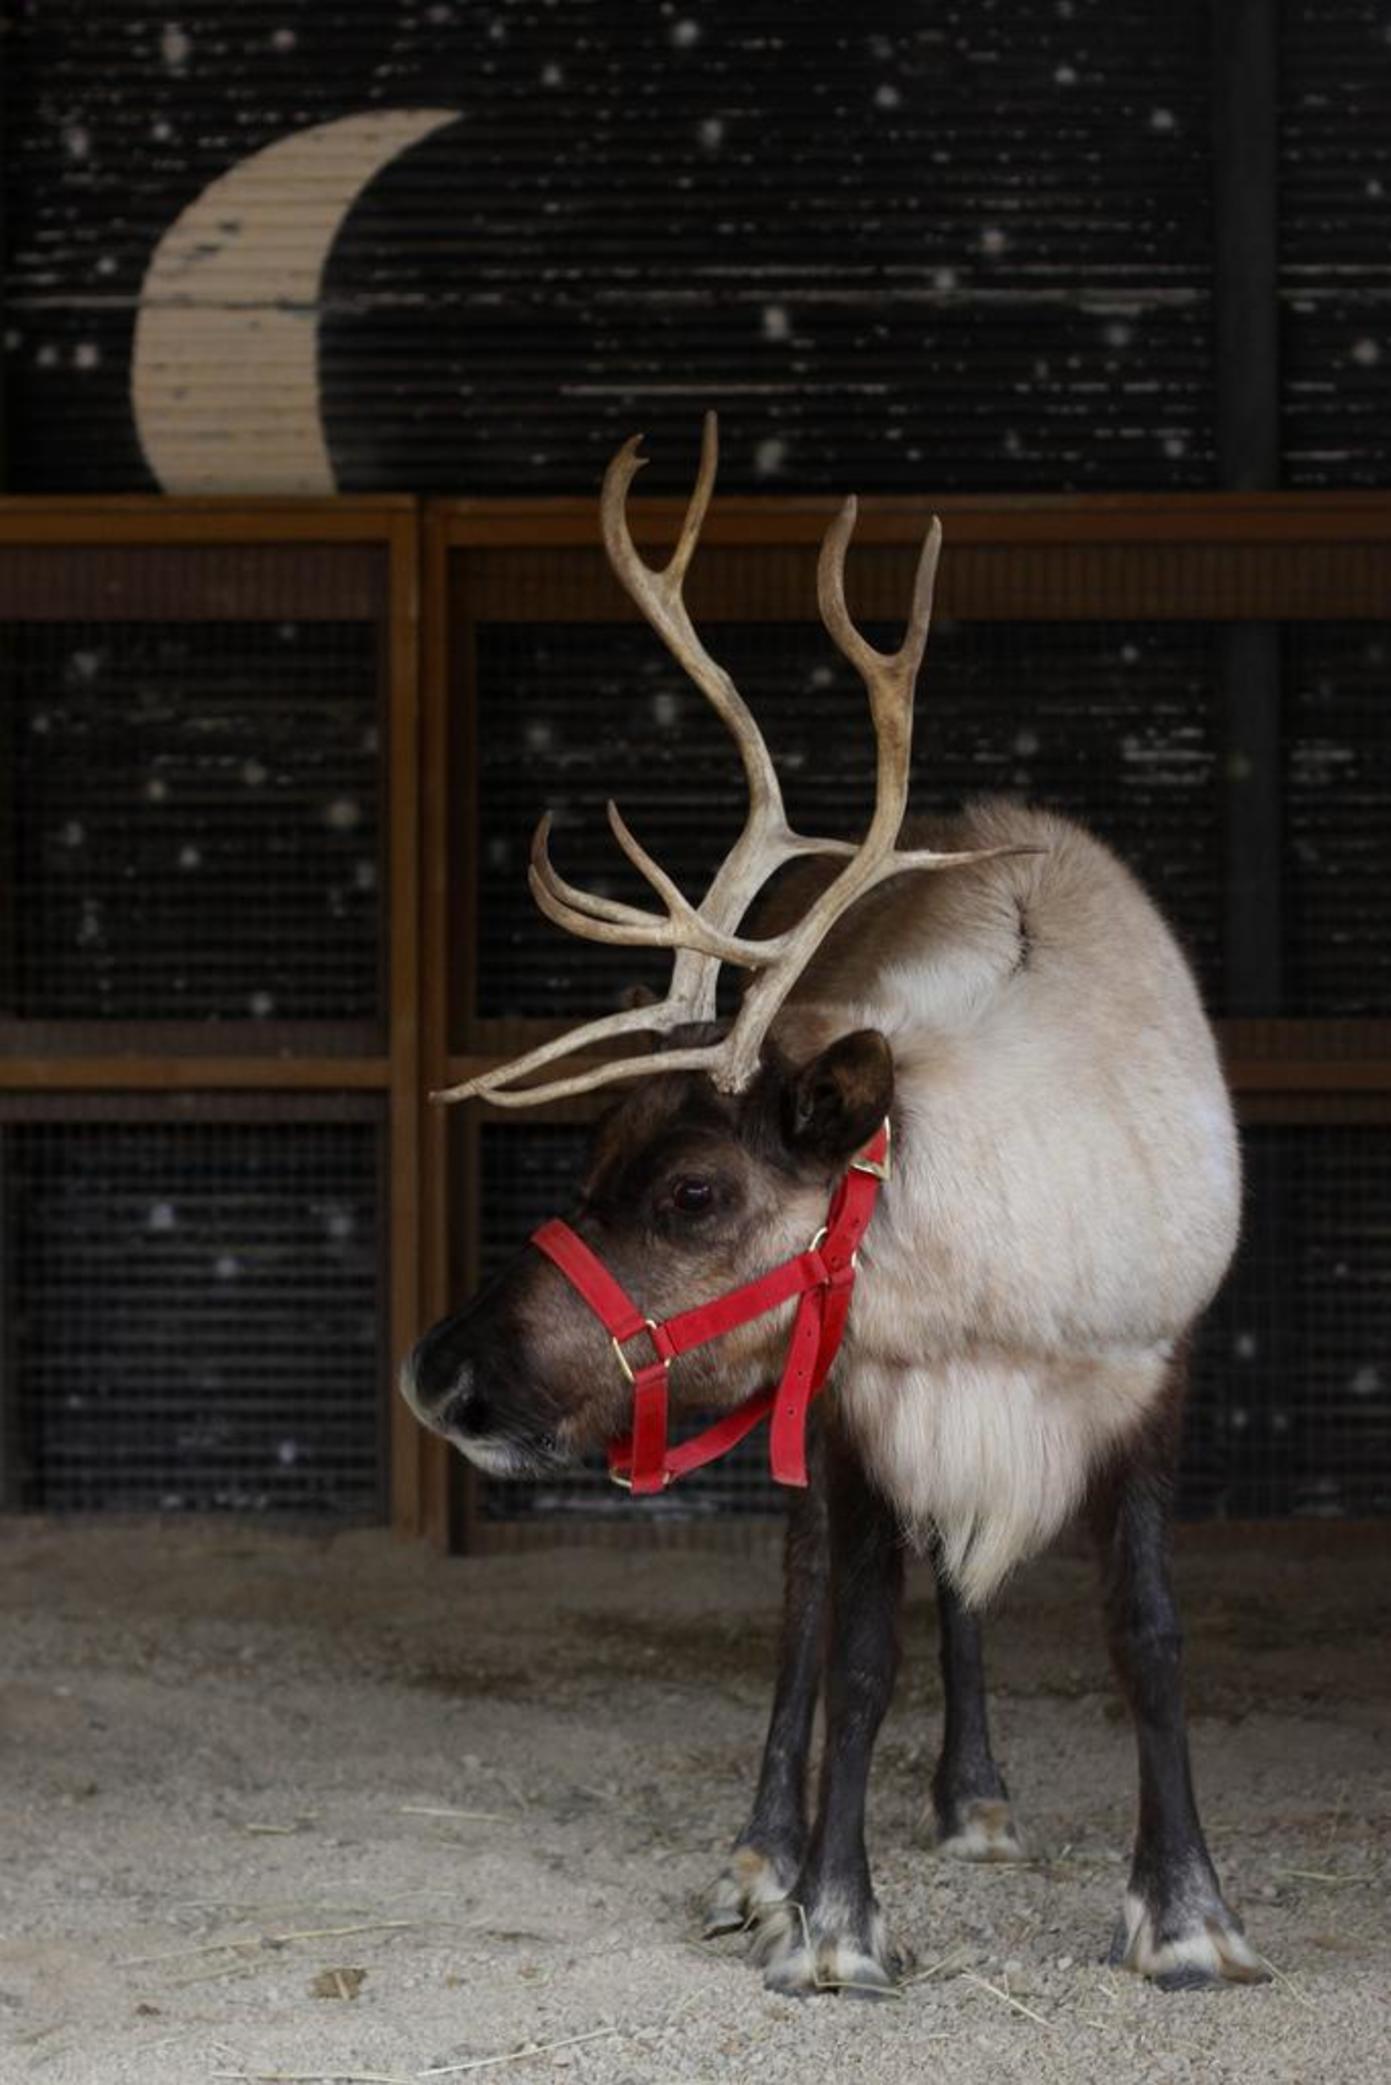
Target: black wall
(902, 247)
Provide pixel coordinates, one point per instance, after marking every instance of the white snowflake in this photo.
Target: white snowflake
(77, 140)
(887, 96)
(666, 708)
(1161, 119)
(283, 40)
(253, 773)
(685, 34)
(343, 815)
(770, 456)
(227, 1266)
(993, 240)
(261, 1004)
(1366, 353)
(74, 833)
(774, 322)
(175, 46)
(190, 857)
(86, 355)
(161, 1216)
(711, 133)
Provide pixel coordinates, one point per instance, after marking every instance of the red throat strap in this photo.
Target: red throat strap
(822, 1279)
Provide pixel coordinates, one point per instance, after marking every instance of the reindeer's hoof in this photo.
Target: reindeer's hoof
(753, 1880)
(1185, 1947)
(980, 1829)
(801, 1955)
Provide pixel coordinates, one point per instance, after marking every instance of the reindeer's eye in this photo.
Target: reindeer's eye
(692, 1196)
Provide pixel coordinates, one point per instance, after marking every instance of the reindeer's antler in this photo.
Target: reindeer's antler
(706, 936)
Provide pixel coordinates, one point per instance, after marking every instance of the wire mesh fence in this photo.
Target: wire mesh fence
(194, 820)
(193, 1315)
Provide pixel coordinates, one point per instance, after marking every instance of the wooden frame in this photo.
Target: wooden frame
(305, 1059)
(1249, 561)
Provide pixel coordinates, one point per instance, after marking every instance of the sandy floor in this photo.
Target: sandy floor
(243, 1776)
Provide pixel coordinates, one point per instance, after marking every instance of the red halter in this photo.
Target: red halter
(823, 1276)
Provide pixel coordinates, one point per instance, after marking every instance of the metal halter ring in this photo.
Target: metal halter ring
(623, 1360)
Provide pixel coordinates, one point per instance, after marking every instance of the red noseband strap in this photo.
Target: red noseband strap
(823, 1277)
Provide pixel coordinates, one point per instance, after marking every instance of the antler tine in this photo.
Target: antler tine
(881, 671)
(595, 918)
(657, 592)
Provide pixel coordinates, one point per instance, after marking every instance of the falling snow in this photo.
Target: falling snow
(175, 46)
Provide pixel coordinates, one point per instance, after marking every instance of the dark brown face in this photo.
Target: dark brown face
(686, 1194)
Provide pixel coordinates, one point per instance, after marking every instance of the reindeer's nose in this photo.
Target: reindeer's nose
(465, 1410)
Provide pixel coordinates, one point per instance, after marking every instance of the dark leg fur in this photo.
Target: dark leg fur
(1175, 1928)
(970, 1802)
(768, 1851)
(829, 1934)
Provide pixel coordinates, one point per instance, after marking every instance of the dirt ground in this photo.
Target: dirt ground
(276, 1805)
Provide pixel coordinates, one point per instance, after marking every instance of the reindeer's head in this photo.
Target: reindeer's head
(716, 1166)
(687, 1194)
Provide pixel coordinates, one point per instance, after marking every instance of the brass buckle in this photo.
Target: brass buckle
(626, 1483)
(877, 1168)
(623, 1360)
(820, 1239)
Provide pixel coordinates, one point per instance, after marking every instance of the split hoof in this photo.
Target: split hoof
(1186, 1948)
(805, 1957)
(752, 1881)
(982, 1829)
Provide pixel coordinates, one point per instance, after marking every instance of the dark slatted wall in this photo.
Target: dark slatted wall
(957, 244)
(1335, 218)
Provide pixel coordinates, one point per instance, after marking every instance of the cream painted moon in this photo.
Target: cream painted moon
(225, 361)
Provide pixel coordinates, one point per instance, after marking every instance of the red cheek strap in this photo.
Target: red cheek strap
(822, 1277)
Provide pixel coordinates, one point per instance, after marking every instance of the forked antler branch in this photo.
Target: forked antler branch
(706, 936)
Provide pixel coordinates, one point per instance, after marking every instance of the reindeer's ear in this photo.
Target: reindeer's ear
(834, 1104)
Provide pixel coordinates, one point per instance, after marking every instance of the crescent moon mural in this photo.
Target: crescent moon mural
(224, 365)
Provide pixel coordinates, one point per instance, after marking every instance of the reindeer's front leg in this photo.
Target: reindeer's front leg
(829, 1935)
(1176, 1928)
(768, 1851)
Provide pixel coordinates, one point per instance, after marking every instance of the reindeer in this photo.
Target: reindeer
(1061, 1203)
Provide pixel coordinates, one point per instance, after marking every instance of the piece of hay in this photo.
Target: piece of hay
(337, 1983)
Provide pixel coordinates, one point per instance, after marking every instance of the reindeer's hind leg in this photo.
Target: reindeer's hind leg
(1175, 1927)
(970, 1804)
(768, 1851)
